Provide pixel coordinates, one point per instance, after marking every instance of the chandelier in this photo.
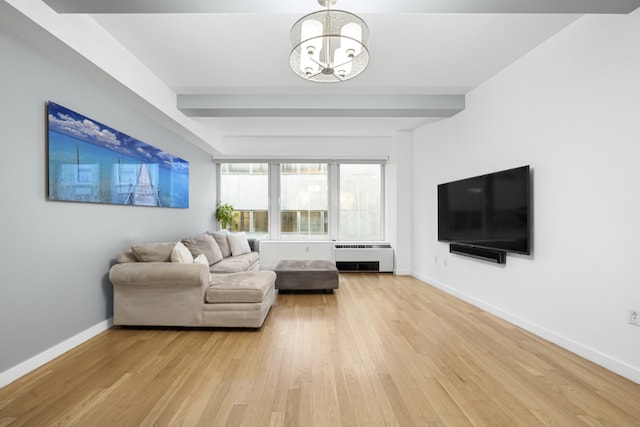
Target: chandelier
(329, 45)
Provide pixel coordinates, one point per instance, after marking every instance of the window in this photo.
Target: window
(304, 201)
(360, 211)
(314, 201)
(246, 187)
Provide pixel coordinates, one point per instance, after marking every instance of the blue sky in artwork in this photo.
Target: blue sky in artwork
(67, 122)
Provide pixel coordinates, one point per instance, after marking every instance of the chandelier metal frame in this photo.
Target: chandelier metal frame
(329, 45)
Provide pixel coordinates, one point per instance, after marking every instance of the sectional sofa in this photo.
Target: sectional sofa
(210, 280)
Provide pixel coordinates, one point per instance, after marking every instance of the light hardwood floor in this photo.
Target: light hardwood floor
(382, 350)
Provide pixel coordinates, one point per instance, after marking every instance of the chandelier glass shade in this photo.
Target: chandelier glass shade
(329, 45)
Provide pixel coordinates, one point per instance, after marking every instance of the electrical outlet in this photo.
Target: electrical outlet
(634, 317)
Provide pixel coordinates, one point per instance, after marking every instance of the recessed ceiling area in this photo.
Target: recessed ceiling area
(240, 48)
(248, 53)
(441, 55)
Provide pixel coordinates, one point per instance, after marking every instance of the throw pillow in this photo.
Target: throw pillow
(221, 239)
(201, 259)
(181, 254)
(149, 252)
(239, 243)
(204, 244)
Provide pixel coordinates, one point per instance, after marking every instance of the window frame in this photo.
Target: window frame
(218, 166)
(382, 201)
(333, 186)
(300, 236)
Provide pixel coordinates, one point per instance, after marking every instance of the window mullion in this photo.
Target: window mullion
(382, 201)
(274, 201)
(334, 200)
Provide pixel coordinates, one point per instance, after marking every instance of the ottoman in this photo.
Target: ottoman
(293, 274)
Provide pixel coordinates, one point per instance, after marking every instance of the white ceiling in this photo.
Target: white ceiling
(248, 53)
(242, 47)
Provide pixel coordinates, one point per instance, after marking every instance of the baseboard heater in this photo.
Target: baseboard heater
(364, 257)
(499, 257)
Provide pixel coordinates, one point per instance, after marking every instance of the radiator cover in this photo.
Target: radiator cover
(364, 257)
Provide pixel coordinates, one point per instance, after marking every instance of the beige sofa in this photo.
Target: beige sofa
(150, 289)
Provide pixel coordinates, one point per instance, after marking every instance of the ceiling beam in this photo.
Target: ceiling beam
(360, 6)
(320, 105)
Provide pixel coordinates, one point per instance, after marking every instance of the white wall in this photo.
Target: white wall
(399, 201)
(274, 251)
(55, 256)
(315, 146)
(571, 110)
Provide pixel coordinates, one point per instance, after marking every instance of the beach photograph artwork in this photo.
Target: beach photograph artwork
(93, 163)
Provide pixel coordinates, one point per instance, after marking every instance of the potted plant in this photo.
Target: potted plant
(225, 215)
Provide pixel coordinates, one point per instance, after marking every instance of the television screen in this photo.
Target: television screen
(488, 211)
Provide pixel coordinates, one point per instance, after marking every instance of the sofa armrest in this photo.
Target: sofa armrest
(254, 244)
(159, 274)
(158, 293)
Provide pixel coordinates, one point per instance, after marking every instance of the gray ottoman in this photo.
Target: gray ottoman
(294, 274)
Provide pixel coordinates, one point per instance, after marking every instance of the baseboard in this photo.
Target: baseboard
(621, 368)
(12, 374)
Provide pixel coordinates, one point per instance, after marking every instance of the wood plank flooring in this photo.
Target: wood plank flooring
(382, 350)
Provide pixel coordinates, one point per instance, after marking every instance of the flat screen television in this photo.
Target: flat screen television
(488, 211)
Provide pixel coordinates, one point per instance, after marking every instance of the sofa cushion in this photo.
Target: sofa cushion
(235, 264)
(181, 254)
(126, 256)
(245, 287)
(204, 244)
(238, 243)
(152, 252)
(221, 239)
(158, 275)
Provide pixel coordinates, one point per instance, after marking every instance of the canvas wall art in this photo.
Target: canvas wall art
(93, 163)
